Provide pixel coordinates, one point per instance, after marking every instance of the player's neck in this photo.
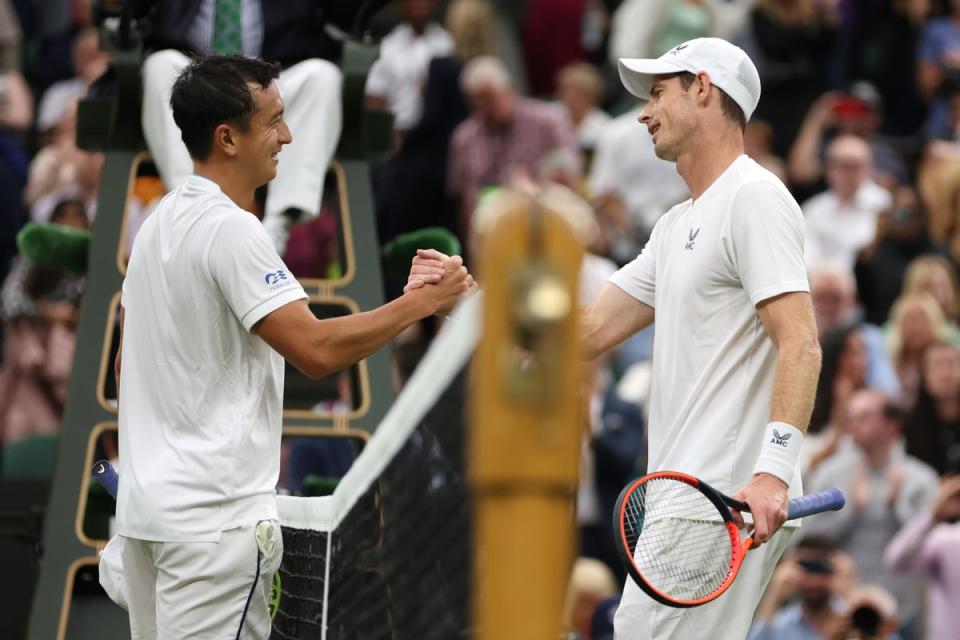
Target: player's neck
(707, 159)
(233, 186)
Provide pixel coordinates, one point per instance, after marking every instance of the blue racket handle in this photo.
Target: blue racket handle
(104, 473)
(830, 500)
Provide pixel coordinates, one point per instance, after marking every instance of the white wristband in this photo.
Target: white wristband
(781, 449)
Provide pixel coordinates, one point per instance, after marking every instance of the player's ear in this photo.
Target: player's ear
(703, 88)
(225, 139)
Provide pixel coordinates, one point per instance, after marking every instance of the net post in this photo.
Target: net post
(525, 442)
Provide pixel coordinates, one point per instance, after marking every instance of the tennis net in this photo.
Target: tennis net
(388, 555)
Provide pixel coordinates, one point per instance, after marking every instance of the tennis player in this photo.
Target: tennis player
(735, 356)
(208, 309)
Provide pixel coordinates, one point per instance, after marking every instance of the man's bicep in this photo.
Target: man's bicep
(287, 330)
(613, 317)
(788, 316)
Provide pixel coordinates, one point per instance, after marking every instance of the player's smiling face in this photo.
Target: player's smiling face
(668, 116)
(265, 136)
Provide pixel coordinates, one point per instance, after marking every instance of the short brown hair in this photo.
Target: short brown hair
(728, 105)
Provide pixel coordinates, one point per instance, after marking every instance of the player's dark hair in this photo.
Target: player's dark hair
(728, 105)
(214, 90)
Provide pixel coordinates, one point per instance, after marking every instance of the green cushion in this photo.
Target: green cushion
(399, 252)
(314, 485)
(55, 246)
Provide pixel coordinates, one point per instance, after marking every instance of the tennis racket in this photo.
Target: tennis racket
(104, 473)
(679, 541)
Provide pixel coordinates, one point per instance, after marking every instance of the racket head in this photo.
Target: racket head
(677, 539)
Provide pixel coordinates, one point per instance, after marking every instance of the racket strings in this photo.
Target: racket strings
(681, 545)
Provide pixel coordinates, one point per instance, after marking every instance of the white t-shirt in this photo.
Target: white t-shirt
(835, 231)
(200, 396)
(401, 70)
(704, 270)
(624, 162)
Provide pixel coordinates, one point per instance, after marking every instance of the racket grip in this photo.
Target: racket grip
(830, 500)
(104, 473)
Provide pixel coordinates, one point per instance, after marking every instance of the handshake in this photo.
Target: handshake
(439, 280)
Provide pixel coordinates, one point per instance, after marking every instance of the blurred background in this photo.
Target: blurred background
(859, 116)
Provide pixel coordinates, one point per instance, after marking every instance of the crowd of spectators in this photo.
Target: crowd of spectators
(859, 115)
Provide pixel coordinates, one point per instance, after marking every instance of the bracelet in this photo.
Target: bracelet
(780, 451)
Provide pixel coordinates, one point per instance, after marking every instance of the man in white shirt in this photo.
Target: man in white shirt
(736, 353)
(397, 77)
(843, 219)
(209, 311)
(625, 164)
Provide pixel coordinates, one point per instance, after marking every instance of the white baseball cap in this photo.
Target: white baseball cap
(728, 66)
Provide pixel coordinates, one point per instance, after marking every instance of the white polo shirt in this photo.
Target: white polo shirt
(707, 265)
(200, 396)
(400, 73)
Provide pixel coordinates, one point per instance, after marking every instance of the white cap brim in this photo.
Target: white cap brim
(637, 74)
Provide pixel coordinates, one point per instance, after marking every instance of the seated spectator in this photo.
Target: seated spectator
(885, 488)
(626, 168)
(843, 219)
(842, 374)
(503, 139)
(410, 188)
(834, 293)
(929, 545)
(62, 170)
(857, 112)
(89, 63)
(591, 582)
(902, 235)
(289, 33)
(397, 78)
(933, 426)
(935, 275)
(915, 323)
(579, 91)
(39, 311)
(805, 594)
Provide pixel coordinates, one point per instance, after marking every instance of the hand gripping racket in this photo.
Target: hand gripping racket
(679, 541)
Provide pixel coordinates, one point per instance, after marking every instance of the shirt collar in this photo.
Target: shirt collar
(200, 183)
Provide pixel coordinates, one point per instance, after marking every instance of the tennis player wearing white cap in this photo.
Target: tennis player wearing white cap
(735, 355)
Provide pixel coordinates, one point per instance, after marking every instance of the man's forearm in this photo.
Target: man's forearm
(344, 341)
(795, 383)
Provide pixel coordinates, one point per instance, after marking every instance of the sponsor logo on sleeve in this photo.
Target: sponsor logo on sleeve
(277, 279)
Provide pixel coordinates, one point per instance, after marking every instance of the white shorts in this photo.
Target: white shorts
(202, 590)
(640, 617)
